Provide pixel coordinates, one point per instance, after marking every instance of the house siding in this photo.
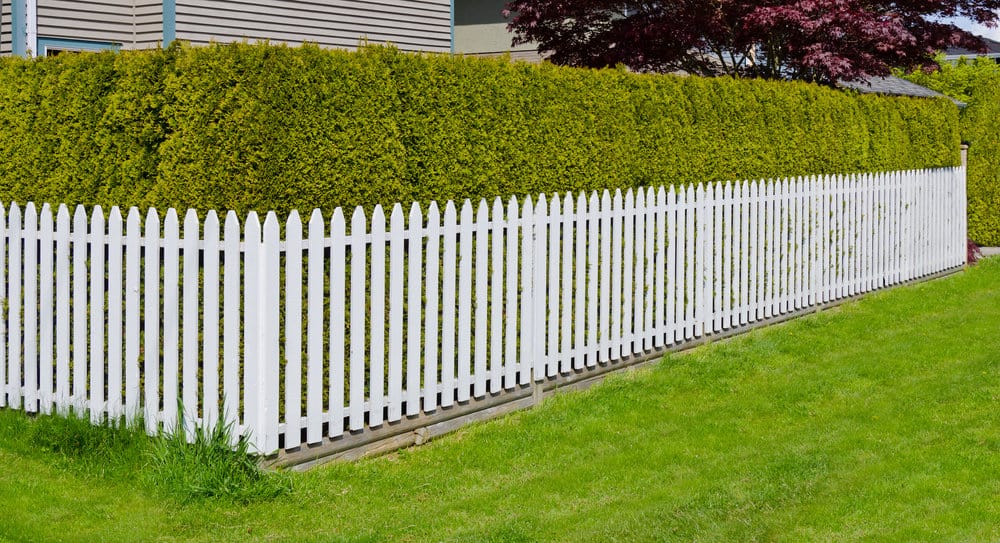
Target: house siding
(148, 23)
(412, 25)
(5, 27)
(109, 21)
(481, 30)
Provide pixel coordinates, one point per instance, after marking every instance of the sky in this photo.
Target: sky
(979, 30)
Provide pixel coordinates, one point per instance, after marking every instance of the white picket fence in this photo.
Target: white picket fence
(354, 324)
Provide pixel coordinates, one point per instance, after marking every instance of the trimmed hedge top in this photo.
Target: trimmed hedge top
(268, 127)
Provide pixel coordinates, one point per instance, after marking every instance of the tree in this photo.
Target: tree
(813, 40)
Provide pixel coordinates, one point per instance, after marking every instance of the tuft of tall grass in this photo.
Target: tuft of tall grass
(114, 446)
(208, 467)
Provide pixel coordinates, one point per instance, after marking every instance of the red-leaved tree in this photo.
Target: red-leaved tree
(813, 40)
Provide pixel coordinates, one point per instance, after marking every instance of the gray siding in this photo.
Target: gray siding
(93, 20)
(481, 30)
(412, 25)
(148, 23)
(5, 28)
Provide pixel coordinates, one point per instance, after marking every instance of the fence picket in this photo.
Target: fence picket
(46, 335)
(481, 270)
(513, 267)
(606, 235)
(151, 313)
(414, 314)
(338, 276)
(210, 324)
(552, 282)
(432, 309)
(464, 350)
(566, 287)
(14, 337)
(292, 325)
(358, 315)
(628, 273)
(527, 297)
(171, 327)
(496, 297)
(133, 258)
(30, 336)
(593, 227)
(4, 278)
(270, 371)
(63, 279)
(395, 364)
(115, 296)
(231, 320)
(189, 321)
(616, 307)
(448, 306)
(581, 308)
(638, 276)
(314, 334)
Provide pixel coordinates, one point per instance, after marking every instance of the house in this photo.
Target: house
(894, 86)
(481, 30)
(992, 52)
(48, 27)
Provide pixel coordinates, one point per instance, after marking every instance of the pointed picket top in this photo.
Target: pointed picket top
(115, 215)
(433, 214)
(541, 206)
(466, 215)
(449, 213)
(581, 202)
(192, 229)
(316, 224)
(416, 219)
(512, 209)
(482, 213)
(211, 221)
(640, 198)
(629, 198)
(527, 208)
(46, 213)
(555, 205)
(396, 218)
(606, 201)
(15, 215)
(595, 201)
(498, 213)
(30, 213)
(378, 216)
(359, 222)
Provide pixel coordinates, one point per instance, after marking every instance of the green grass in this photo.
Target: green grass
(874, 421)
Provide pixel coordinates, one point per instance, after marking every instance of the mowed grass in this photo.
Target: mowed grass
(876, 421)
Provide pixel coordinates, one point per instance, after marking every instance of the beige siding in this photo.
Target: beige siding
(415, 25)
(5, 27)
(93, 20)
(481, 30)
(148, 23)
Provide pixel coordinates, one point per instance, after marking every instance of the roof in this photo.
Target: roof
(894, 86)
(992, 50)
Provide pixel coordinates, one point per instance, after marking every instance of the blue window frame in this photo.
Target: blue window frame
(51, 46)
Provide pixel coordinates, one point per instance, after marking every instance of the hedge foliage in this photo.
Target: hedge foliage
(272, 127)
(977, 83)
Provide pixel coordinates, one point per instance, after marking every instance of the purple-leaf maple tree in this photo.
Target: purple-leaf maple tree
(813, 40)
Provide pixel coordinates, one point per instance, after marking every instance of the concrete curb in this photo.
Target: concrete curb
(990, 251)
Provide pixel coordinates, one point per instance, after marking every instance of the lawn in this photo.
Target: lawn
(877, 420)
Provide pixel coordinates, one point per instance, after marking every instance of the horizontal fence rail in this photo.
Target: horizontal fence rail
(303, 332)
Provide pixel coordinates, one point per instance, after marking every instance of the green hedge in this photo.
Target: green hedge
(271, 127)
(978, 84)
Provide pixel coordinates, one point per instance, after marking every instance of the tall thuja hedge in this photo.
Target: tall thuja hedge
(977, 83)
(270, 127)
